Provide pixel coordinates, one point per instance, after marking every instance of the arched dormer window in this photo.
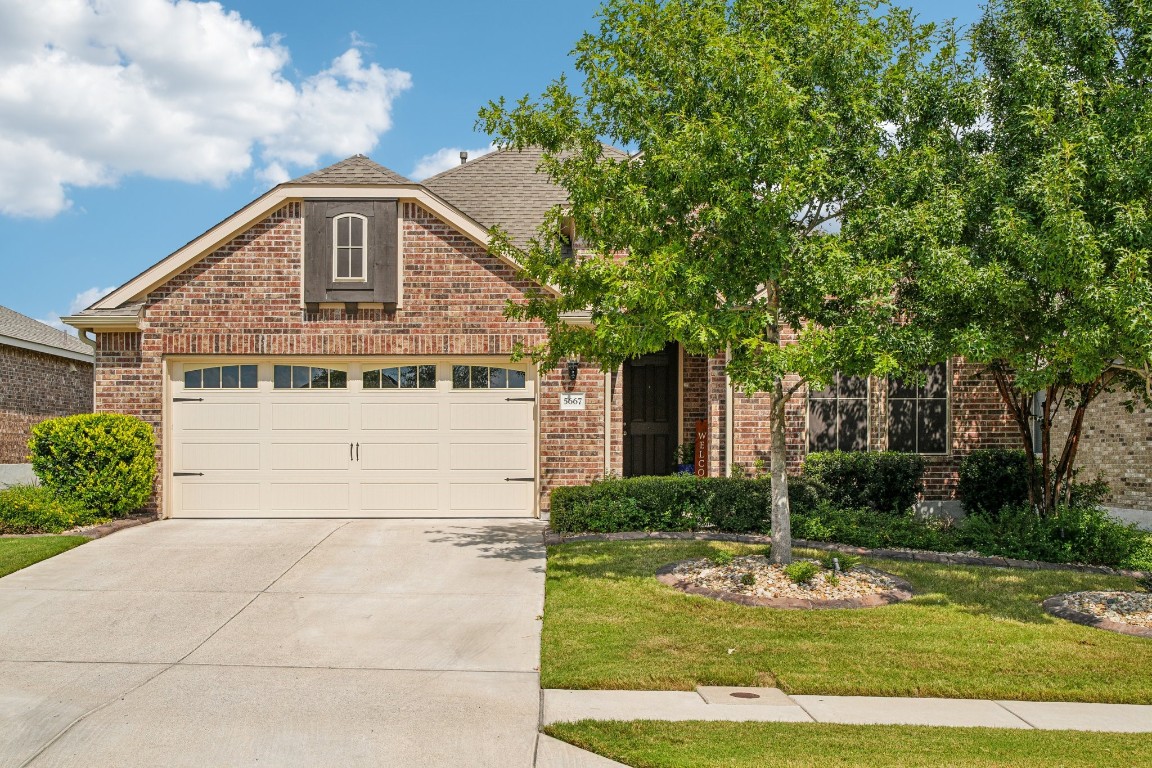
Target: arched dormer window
(350, 248)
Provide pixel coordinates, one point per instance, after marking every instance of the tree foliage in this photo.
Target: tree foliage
(1023, 205)
(759, 125)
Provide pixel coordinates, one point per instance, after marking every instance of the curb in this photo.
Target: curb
(552, 538)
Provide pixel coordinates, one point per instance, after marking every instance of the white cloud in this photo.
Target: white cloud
(172, 89)
(80, 301)
(443, 159)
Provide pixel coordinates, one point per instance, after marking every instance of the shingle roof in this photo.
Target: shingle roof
(357, 169)
(17, 326)
(504, 188)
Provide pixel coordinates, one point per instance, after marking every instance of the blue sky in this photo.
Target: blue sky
(126, 133)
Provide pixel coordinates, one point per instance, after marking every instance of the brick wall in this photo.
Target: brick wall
(1117, 445)
(695, 374)
(977, 420)
(245, 299)
(37, 386)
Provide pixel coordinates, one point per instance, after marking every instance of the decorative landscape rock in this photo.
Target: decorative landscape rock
(861, 587)
(1128, 613)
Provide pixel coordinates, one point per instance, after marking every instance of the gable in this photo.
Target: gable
(256, 283)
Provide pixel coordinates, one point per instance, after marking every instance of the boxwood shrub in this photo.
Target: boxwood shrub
(104, 461)
(883, 481)
(35, 509)
(676, 503)
(993, 478)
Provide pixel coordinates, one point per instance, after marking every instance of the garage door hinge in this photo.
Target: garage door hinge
(187, 474)
(520, 399)
(519, 479)
(187, 399)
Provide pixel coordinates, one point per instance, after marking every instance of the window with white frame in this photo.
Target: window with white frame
(350, 248)
(918, 412)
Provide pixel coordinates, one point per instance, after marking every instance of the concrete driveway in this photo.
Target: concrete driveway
(277, 643)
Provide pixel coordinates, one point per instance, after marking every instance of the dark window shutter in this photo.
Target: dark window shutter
(382, 281)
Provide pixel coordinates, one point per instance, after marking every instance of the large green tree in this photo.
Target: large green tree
(1024, 200)
(756, 125)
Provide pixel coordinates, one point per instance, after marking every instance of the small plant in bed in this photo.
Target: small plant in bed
(722, 558)
(802, 572)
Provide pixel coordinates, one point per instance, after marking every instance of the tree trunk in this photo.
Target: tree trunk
(781, 510)
(1048, 484)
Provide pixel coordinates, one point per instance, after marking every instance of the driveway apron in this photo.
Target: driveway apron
(277, 643)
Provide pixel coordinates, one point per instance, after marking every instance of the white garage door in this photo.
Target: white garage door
(410, 438)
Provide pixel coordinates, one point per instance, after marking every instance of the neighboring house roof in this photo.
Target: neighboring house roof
(503, 188)
(17, 330)
(357, 169)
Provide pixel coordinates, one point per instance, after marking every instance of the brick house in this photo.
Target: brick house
(338, 348)
(44, 372)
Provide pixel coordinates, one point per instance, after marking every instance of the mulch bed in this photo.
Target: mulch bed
(861, 587)
(1129, 613)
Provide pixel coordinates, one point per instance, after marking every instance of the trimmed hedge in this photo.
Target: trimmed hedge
(993, 478)
(676, 503)
(882, 481)
(104, 461)
(1077, 534)
(35, 509)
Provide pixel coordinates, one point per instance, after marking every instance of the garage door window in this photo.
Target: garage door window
(308, 377)
(221, 377)
(486, 377)
(401, 377)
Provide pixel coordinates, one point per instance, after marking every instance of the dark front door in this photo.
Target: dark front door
(650, 413)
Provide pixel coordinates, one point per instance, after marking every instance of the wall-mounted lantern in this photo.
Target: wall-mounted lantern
(573, 370)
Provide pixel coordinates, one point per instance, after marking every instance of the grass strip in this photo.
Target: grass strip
(969, 632)
(649, 744)
(21, 553)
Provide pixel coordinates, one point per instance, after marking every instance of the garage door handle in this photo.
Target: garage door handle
(519, 479)
(187, 399)
(519, 399)
(357, 451)
(351, 457)
(187, 474)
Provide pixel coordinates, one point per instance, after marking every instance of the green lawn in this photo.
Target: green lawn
(970, 632)
(21, 553)
(647, 744)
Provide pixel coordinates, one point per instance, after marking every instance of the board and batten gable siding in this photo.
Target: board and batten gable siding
(37, 386)
(245, 299)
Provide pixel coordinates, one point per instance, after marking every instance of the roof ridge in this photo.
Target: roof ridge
(482, 158)
(359, 162)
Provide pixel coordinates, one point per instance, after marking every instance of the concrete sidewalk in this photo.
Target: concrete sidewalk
(772, 705)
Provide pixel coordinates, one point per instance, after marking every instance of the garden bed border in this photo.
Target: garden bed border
(899, 593)
(1057, 605)
(93, 531)
(944, 558)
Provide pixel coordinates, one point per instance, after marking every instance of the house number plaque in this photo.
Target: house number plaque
(572, 401)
